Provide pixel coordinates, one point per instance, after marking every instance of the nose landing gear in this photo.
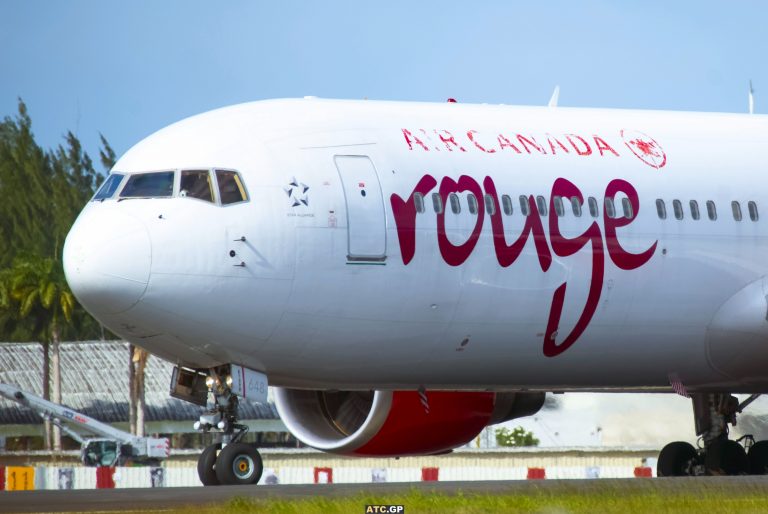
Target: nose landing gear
(719, 455)
(228, 462)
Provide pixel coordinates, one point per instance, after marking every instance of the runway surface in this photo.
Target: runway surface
(145, 499)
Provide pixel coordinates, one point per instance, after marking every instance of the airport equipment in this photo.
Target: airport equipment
(106, 445)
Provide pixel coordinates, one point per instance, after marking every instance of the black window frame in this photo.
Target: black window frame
(677, 209)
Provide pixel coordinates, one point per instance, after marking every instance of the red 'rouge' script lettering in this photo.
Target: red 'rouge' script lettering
(506, 254)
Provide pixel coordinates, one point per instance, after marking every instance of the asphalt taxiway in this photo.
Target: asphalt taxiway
(115, 500)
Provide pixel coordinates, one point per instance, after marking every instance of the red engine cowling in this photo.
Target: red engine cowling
(396, 423)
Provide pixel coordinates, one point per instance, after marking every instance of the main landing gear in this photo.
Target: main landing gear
(228, 462)
(717, 455)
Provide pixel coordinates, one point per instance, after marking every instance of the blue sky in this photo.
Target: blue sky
(127, 69)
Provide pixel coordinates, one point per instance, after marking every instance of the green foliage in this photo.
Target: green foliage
(35, 288)
(516, 437)
(41, 194)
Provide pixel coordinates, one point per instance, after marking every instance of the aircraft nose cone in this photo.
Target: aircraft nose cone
(107, 260)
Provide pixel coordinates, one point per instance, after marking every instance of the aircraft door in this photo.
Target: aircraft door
(366, 221)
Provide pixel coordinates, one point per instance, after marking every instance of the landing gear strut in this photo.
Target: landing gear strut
(228, 462)
(718, 455)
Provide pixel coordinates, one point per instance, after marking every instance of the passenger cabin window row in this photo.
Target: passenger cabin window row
(562, 205)
(613, 208)
(678, 210)
(221, 187)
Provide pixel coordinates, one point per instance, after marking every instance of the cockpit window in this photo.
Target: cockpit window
(149, 185)
(196, 184)
(231, 188)
(109, 187)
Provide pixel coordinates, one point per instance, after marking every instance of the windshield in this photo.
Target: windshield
(149, 185)
(231, 189)
(99, 453)
(109, 187)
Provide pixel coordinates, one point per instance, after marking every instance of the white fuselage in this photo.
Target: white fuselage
(322, 286)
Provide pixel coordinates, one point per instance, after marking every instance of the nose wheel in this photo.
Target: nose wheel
(239, 464)
(206, 465)
(235, 464)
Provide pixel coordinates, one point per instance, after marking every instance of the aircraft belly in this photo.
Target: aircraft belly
(480, 324)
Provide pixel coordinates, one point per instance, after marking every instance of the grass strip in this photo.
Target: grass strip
(537, 502)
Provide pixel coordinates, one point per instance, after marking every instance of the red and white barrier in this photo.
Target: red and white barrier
(53, 477)
(323, 475)
(430, 474)
(643, 472)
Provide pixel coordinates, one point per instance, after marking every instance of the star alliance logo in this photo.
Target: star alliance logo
(297, 193)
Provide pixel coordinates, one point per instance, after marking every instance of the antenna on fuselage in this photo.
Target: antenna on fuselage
(751, 98)
(554, 98)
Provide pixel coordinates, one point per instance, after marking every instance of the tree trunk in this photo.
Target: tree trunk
(136, 384)
(140, 397)
(47, 391)
(56, 376)
(132, 388)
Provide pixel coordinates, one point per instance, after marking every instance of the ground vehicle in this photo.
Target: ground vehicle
(113, 448)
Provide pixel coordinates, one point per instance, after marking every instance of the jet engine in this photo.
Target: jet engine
(396, 423)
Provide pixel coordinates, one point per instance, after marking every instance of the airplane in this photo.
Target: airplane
(406, 274)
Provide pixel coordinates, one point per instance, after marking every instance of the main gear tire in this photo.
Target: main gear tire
(726, 457)
(676, 460)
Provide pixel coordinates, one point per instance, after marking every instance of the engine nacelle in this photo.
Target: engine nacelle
(396, 423)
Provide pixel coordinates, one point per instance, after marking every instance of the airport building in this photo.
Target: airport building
(95, 378)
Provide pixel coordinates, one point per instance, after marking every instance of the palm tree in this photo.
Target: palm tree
(34, 289)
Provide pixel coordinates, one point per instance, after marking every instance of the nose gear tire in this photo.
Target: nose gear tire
(239, 464)
(206, 465)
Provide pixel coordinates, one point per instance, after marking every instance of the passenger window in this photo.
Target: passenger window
(506, 203)
(108, 188)
(736, 210)
(752, 207)
(559, 208)
(490, 205)
(418, 202)
(196, 184)
(661, 209)
(231, 188)
(541, 203)
(576, 206)
(694, 209)
(711, 210)
(677, 206)
(626, 207)
(149, 185)
(610, 208)
(437, 203)
(524, 205)
(472, 202)
(593, 210)
(453, 199)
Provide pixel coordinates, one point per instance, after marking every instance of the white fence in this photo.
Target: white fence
(52, 477)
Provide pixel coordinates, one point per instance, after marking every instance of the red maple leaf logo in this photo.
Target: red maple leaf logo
(647, 147)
